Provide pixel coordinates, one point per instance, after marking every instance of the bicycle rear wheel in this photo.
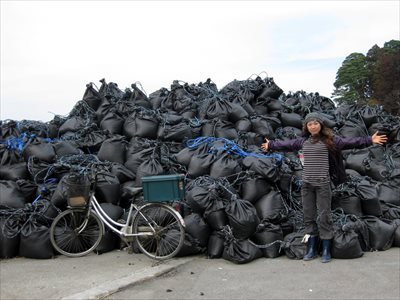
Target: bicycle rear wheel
(161, 231)
(75, 234)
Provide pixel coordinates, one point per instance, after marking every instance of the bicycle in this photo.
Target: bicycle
(156, 227)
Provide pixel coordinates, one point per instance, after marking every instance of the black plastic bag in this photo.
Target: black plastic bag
(242, 217)
(215, 246)
(35, 242)
(346, 245)
(269, 238)
(197, 228)
(11, 195)
(271, 207)
(293, 246)
(381, 233)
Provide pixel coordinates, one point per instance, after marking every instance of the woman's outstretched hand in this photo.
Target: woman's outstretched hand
(265, 146)
(378, 139)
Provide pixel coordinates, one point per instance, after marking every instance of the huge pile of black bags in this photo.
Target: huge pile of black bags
(240, 203)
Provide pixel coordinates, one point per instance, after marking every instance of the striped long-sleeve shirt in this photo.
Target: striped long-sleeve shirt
(316, 162)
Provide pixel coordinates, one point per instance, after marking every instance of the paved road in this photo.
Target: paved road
(376, 275)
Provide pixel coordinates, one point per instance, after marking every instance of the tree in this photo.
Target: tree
(371, 79)
(351, 85)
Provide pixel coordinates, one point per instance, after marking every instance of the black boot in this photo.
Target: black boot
(326, 251)
(311, 248)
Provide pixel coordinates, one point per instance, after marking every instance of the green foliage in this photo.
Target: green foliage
(374, 78)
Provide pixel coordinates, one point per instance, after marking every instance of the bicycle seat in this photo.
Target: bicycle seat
(134, 190)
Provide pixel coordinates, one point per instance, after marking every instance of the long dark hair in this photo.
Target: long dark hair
(326, 135)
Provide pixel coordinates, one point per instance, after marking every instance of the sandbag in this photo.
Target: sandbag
(35, 242)
(14, 171)
(269, 237)
(107, 188)
(381, 233)
(9, 241)
(242, 217)
(113, 149)
(217, 219)
(254, 187)
(264, 166)
(270, 207)
(200, 165)
(240, 251)
(348, 201)
(225, 166)
(149, 167)
(197, 228)
(345, 244)
(293, 247)
(369, 198)
(215, 246)
(11, 195)
(42, 150)
(113, 122)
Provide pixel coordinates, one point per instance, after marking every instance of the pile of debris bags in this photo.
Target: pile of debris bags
(240, 203)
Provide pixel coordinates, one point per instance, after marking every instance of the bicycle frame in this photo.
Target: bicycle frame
(125, 230)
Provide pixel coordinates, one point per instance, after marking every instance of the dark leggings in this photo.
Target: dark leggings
(317, 210)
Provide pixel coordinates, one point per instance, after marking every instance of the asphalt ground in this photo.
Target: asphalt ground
(99, 276)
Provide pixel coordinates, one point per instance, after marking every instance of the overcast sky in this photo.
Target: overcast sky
(50, 50)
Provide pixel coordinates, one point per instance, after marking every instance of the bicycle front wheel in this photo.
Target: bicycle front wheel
(74, 233)
(160, 231)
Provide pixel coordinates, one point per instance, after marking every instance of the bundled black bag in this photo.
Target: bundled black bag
(396, 239)
(113, 122)
(9, 237)
(225, 166)
(270, 207)
(110, 240)
(346, 245)
(11, 195)
(262, 126)
(35, 241)
(369, 198)
(390, 211)
(381, 233)
(42, 150)
(254, 187)
(108, 188)
(239, 251)
(242, 217)
(123, 173)
(92, 96)
(215, 246)
(150, 167)
(351, 128)
(203, 199)
(135, 157)
(14, 171)
(216, 219)
(349, 201)
(190, 245)
(355, 160)
(389, 193)
(62, 148)
(113, 149)
(197, 228)
(361, 228)
(141, 123)
(291, 119)
(269, 238)
(200, 165)
(267, 167)
(293, 247)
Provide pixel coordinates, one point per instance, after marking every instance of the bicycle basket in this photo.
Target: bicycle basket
(78, 188)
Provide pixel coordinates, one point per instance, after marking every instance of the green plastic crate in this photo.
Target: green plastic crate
(163, 188)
